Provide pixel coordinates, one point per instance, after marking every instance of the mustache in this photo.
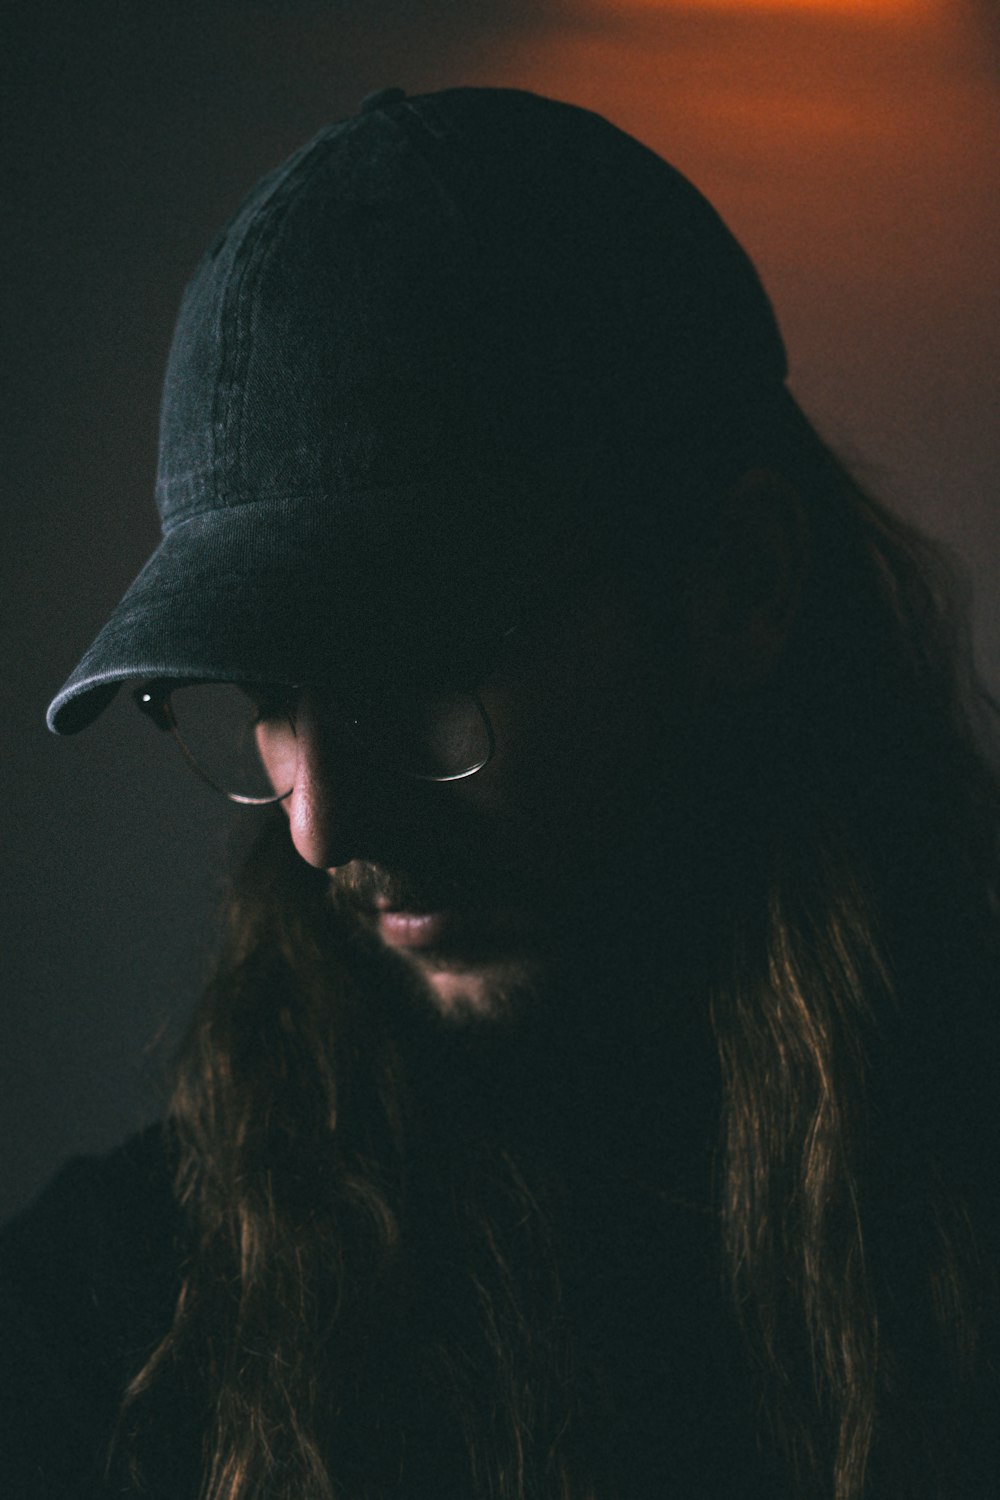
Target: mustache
(365, 885)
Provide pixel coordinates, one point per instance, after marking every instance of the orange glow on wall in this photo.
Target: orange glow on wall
(873, 9)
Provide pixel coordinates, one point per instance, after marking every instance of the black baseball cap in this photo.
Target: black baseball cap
(445, 336)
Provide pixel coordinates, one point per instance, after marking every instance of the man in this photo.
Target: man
(593, 1093)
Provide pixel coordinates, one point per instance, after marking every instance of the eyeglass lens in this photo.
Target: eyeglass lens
(243, 738)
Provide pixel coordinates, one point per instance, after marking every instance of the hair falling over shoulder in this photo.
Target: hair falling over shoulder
(306, 1167)
(856, 1015)
(343, 1247)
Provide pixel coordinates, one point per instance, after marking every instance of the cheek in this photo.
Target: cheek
(575, 757)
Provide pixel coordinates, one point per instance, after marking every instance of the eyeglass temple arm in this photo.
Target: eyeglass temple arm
(158, 709)
(155, 706)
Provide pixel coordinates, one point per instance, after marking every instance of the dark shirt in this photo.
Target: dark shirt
(89, 1276)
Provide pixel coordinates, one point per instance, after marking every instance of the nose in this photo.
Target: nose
(331, 808)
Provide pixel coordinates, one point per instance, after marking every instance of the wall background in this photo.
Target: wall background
(851, 145)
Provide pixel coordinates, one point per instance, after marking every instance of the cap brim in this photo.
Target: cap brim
(288, 590)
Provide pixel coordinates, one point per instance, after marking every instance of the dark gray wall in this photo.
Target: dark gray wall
(855, 155)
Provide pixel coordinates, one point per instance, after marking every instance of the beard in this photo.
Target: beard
(526, 933)
(362, 1140)
(495, 966)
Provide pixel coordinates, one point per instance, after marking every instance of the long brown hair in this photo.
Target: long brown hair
(377, 1303)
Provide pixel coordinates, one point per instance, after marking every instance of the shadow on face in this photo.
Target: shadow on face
(609, 721)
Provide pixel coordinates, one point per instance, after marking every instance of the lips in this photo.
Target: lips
(418, 929)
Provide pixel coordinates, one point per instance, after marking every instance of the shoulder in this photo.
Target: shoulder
(89, 1274)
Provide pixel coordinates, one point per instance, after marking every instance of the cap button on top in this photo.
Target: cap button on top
(381, 99)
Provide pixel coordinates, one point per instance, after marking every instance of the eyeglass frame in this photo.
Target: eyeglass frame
(153, 700)
(153, 697)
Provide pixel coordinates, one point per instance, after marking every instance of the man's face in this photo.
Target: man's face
(492, 887)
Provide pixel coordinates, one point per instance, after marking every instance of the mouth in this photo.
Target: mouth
(416, 930)
(449, 935)
(476, 960)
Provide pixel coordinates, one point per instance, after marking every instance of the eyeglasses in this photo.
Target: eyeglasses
(241, 738)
